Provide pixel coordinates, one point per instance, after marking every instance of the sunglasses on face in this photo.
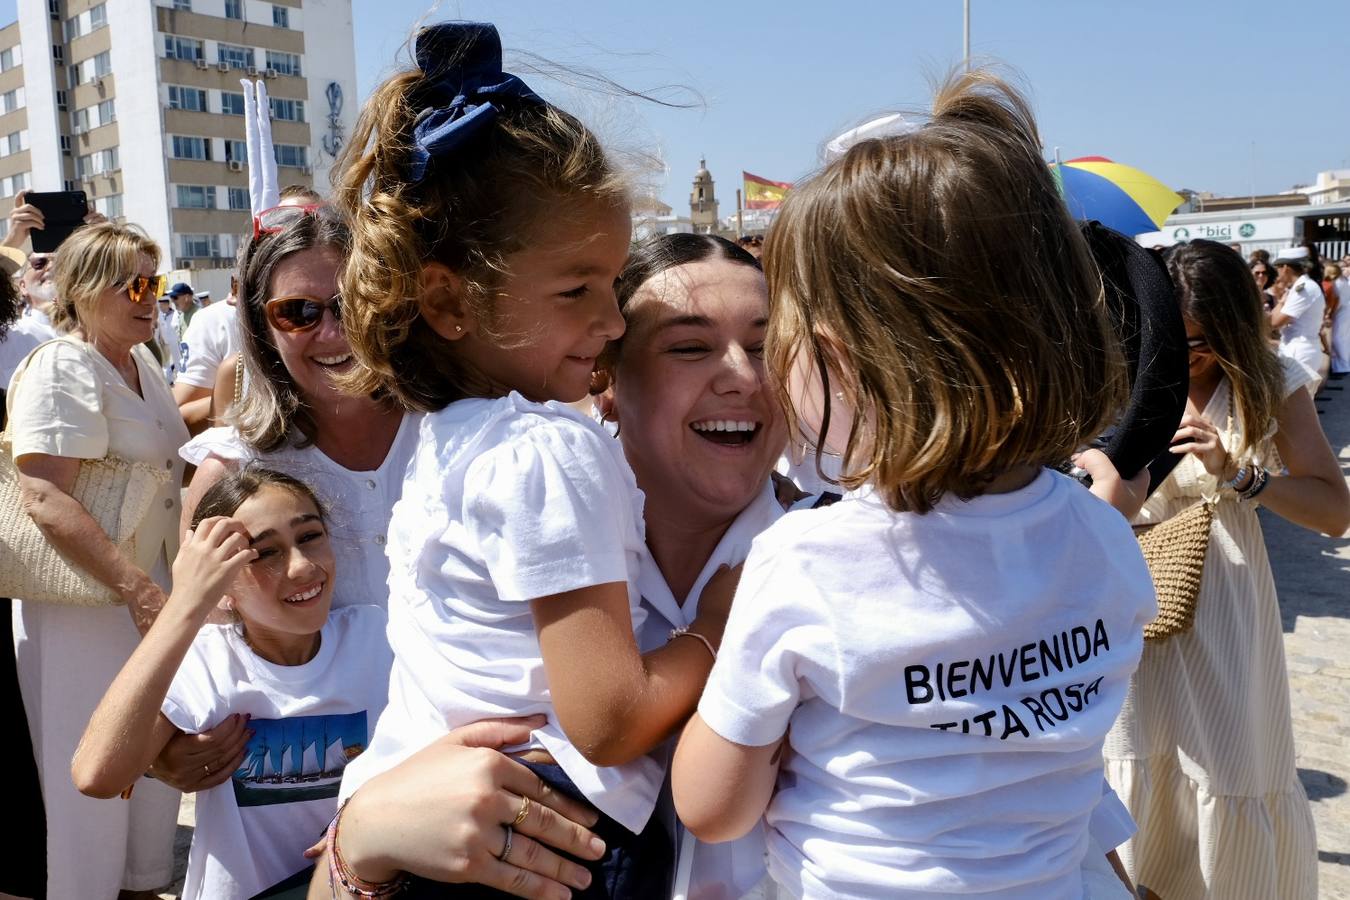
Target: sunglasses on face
(292, 314)
(278, 218)
(38, 263)
(144, 287)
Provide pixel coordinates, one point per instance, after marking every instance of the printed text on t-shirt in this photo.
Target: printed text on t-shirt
(1025, 663)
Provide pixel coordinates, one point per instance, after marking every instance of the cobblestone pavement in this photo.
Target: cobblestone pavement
(1312, 574)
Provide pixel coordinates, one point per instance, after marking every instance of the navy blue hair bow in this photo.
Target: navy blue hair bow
(463, 60)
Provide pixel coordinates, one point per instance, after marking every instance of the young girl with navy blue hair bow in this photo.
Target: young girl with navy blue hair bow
(488, 228)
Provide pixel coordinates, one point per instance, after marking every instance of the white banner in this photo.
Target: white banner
(1276, 228)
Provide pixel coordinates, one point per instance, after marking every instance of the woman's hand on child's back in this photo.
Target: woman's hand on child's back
(211, 556)
(442, 814)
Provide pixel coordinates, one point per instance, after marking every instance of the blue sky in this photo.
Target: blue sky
(1204, 95)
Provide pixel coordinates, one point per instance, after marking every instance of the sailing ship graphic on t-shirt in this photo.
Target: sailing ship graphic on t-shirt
(298, 758)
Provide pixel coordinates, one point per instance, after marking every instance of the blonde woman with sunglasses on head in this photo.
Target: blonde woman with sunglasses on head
(95, 391)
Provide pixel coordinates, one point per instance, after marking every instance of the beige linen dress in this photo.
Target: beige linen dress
(1203, 751)
(70, 401)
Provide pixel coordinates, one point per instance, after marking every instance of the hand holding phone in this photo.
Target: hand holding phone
(61, 211)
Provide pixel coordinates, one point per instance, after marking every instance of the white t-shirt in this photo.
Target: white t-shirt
(505, 501)
(948, 679)
(1299, 339)
(212, 335)
(24, 336)
(729, 870)
(308, 722)
(358, 503)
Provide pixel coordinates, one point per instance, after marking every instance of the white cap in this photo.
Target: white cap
(886, 126)
(1291, 254)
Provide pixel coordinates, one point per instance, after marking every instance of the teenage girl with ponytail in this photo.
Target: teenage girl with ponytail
(488, 229)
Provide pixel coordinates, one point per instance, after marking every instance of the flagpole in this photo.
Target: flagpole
(740, 223)
(966, 44)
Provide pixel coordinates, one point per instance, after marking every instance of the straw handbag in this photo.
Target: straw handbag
(1175, 552)
(115, 491)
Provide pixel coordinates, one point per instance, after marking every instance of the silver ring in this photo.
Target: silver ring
(506, 848)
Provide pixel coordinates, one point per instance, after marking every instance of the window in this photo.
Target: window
(176, 47)
(65, 144)
(239, 198)
(72, 28)
(103, 64)
(87, 167)
(62, 101)
(13, 142)
(10, 57)
(79, 120)
(290, 155)
(191, 147)
(98, 16)
(234, 9)
(13, 184)
(106, 113)
(199, 244)
(187, 98)
(284, 63)
(281, 17)
(12, 100)
(236, 151)
(289, 110)
(110, 206)
(236, 57)
(59, 54)
(54, 7)
(184, 5)
(196, 196)
(231, 104)
(74, 75)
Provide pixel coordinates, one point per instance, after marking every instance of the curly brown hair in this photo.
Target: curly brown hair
(469, 213)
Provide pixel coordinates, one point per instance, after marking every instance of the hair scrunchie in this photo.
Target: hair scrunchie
(463, 60)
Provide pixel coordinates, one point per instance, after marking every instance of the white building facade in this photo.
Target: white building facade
(139, 104)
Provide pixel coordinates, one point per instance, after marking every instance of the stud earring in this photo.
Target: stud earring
(458, 329)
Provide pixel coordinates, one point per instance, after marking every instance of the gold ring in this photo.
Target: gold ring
(524, 811)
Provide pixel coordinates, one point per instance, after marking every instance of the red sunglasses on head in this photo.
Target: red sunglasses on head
(278, 218)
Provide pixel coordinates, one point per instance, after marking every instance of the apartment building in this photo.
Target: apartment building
(139, 104)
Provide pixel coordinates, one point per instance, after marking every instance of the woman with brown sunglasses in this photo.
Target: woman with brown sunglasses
(96, 391)
(290, 416)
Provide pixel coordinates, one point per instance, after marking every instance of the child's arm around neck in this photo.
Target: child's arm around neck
(614, 703)
(127, 730)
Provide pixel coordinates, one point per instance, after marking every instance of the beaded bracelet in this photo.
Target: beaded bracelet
(340, 873)
(1260, 478)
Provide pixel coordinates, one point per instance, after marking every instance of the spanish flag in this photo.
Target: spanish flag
(761, 193)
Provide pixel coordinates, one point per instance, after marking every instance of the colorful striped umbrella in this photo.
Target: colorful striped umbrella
(1120, 197)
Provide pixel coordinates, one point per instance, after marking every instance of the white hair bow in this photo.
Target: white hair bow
(886, 126)
(263, 192)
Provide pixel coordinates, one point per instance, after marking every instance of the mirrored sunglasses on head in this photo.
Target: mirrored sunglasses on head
(278, 218)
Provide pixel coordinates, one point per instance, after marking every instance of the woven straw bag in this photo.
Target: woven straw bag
(115, 491)
(1175, 552)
